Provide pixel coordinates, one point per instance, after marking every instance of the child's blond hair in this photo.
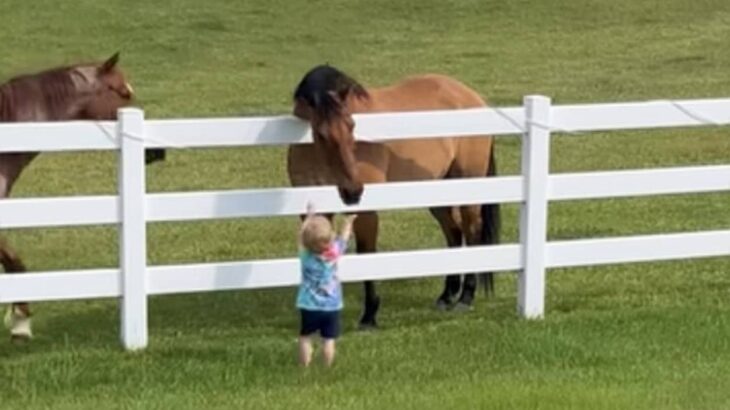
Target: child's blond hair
(317, 234)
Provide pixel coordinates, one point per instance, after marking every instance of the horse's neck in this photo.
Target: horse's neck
(35, 98)
(20, 101)
(62, 102)
(24, 103)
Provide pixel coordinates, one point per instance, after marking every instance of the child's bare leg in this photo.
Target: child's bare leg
(305, 350)
(328, 351)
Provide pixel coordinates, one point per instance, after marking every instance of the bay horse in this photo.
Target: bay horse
(92, 91)
(327, 98)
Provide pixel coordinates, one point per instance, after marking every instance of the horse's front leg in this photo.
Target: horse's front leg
(366, 236)
(17, 317)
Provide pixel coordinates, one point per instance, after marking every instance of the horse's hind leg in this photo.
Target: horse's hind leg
(366, 237)
(453, 235)
(17, 318)
(471, 223)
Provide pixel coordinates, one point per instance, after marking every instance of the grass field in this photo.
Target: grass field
(638, 336)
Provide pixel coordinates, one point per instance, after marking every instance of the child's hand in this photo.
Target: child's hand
(347, 227)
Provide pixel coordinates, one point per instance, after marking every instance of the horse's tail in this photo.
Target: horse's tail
(490, 225)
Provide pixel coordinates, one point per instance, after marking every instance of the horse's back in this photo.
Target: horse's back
(424, 92)
(431, 158)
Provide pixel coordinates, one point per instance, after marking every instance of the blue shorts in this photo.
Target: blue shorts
(327, 323)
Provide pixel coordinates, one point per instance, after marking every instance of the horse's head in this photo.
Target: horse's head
(104, 87)
(102, 90)
(333, 134)
(322, 99)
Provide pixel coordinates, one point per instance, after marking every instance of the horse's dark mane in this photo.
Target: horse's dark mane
(316, 87)
(52, 90)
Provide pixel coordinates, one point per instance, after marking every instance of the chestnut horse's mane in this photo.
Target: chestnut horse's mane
(50, 90)
(319, 83)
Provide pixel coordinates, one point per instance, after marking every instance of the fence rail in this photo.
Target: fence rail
(133, 208)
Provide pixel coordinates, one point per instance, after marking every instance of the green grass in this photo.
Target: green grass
(652, 335)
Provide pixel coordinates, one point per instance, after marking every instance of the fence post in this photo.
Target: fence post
(133, 232)
(533, 212)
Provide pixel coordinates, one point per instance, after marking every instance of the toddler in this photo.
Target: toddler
(319, 298)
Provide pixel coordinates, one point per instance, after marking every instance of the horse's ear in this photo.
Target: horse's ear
(358, 91)
(342, 95)
(302, 109)
(110, 63)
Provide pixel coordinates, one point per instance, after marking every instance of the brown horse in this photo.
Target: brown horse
(327, 98)
(82, 92)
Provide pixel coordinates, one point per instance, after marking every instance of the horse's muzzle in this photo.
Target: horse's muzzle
(351, 196)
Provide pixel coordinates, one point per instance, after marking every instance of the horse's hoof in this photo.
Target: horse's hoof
(463, 307)
(20, 340)
(443, 305)
(367, 326)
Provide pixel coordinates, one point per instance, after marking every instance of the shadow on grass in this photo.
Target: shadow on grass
(231, 317)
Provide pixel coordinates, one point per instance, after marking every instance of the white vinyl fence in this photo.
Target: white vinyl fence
(133, 208)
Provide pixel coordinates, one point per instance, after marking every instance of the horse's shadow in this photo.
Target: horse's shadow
(95, 324)
(60, 326)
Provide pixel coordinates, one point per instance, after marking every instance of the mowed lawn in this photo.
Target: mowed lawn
(636, 336)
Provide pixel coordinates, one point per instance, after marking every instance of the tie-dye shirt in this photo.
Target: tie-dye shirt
(320, 288)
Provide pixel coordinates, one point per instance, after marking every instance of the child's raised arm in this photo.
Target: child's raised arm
(310, 214)
(347, 227)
